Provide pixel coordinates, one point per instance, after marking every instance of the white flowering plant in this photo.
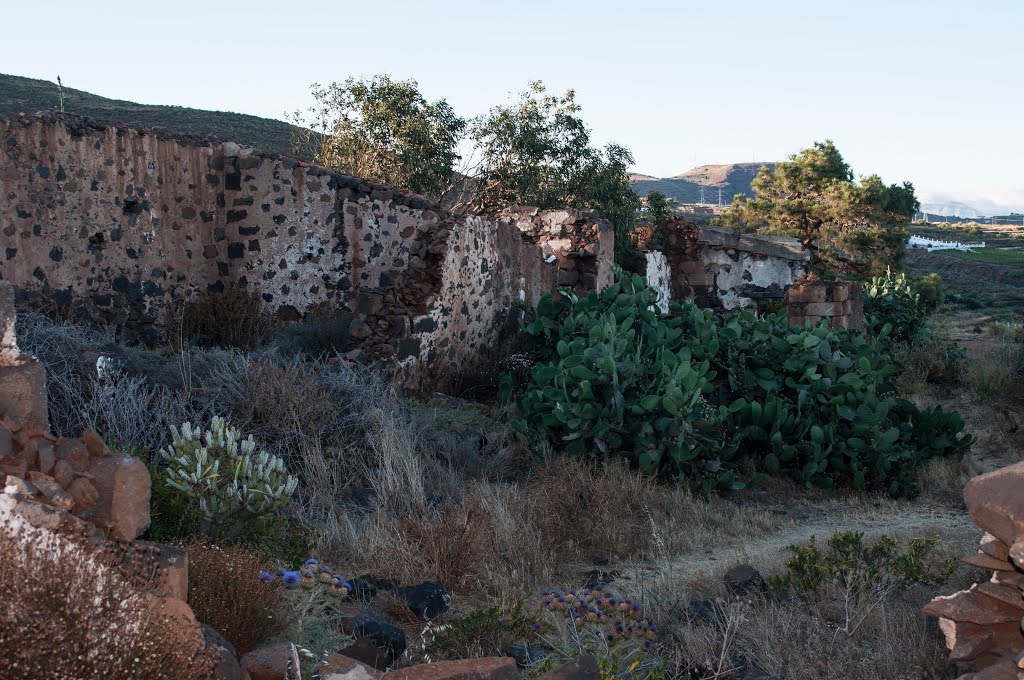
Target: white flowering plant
(232, 480)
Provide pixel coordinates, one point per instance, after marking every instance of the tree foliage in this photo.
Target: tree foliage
(383, 130)
(659, 212)
(857, 227)
(537, 151)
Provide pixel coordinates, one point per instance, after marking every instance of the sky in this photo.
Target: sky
(922, 91)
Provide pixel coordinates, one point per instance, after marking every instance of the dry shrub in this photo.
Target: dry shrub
(791, 640)
(231, 318)
(504, 540)
(225, 592)
(997, 371)
(65, 615)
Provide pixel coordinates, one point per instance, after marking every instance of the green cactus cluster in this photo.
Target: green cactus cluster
(712, 398)
(894, 300)
(230, 480)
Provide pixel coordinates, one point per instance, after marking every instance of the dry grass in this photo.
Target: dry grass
(65, 615)
(224, 592)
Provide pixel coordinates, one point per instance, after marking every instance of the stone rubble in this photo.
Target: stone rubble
(983, 625)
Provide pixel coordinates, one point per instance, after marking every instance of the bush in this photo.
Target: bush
(222, 473)
(894, 301)
(317, 338)
(225, 593)
(928, 359)
(621, 381)
(65, 615)
(931, 293)
(484, 632)
(680, 394)
(858, 575)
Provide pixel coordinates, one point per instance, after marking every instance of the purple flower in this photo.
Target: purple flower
(266, 577)
(311, 560)
(291, 578)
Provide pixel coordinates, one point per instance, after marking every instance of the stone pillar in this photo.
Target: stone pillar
(22, 377)
(812, 299)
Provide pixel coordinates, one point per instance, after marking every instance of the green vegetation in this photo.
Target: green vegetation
(382, 130)
(849, 227)
(223, 474)
(659, 212)
(1013, 257)
(893, 301)
(684, 394)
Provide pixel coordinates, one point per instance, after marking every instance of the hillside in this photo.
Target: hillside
(29, 95)
(732, 178)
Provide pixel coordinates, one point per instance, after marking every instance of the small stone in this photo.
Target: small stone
(94, 445)
(46, 456)
(743, 579)
(359, 329)
(63, 473)
(54, 493)
(84, 494)
(74, 452)
(124, 488)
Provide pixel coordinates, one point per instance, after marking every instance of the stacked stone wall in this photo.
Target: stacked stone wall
(813, 299)
(120, 225)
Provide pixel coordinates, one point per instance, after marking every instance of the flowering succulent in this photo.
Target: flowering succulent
(225, 474)
(602, 612)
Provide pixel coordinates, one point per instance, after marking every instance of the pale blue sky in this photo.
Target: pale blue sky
(929, 92)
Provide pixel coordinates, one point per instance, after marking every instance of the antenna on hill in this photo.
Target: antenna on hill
(719, 197)
(60, 88)
(702, 195)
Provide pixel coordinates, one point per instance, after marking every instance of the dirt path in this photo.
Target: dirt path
(766, 552)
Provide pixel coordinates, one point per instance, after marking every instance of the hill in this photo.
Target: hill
(731, 178)
(29, 95)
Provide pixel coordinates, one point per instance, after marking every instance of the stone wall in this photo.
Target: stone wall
(723, 269)
(812, 299)
(118, 225)
(22, 377)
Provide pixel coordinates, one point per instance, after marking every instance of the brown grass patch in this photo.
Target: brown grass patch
(225, 593)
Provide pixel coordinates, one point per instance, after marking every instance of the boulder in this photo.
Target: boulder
(221, 653)
(124, 488)
(491, 668)
(427, 601)
(273, 662)
(378, 642)
(995, 503)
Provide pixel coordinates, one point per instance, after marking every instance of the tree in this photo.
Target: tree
(537, 152)
(849, 227)
(659, 211)
(385, 131)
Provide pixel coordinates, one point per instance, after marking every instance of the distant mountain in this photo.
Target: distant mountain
(29, 95)
(731, 178)
(951, 209)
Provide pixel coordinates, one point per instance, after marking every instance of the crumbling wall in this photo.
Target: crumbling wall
(659, 277)
(22, 377)
(813, 299)
(119, 225)
(723, 269)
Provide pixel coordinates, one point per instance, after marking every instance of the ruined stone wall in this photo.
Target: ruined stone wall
(119, 225)
(723, 269)
(813, 299)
